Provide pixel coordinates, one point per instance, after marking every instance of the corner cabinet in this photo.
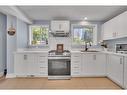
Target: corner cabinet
(31, 64)
(115, 66)
(93, 64)
(115, 28)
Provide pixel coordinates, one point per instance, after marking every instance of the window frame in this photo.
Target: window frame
(30, 34)
(94, 26)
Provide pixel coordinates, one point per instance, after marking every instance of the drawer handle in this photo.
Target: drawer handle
(121, 61)
(76, 56)
(76, 72)
(76, 61)
(76, 67)
(42, 61)
(25, 57)
(43, 67)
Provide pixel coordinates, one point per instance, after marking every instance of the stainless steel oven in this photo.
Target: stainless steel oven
(59, 67)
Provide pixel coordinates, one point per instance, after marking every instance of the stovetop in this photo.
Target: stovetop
(55, 53)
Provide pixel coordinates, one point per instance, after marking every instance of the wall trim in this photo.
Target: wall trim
(10, 75)
(1, 74)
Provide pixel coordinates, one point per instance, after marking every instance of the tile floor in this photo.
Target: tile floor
(44, 83)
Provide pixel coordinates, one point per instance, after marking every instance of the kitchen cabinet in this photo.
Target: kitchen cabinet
(115, 68)
(20, 66)
(93, 64)
(60, 26)
(125, 73)
(107, 30)
(76, 64)
(116, 27)
(31, 64)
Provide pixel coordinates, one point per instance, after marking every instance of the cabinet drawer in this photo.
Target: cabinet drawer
(75, 73)
(43, 70)
(75, 61)
(75, 65)
(43, 61)
(42, 65)
(43, 73)
(76, 69)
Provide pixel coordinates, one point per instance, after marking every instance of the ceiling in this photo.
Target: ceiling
(93, 13)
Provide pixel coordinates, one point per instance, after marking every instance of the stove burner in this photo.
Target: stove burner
(55, 53)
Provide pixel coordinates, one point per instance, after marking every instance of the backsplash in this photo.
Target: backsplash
(111, 43)
(53, 41)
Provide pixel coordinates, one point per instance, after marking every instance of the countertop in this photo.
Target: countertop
(72, 51)
(31, 51)
(107, 52)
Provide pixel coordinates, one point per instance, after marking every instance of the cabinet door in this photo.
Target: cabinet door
(60, 26)
(125, 73)
(107, 30)
(54, 25)
(88, 64)
(20, 64)
(31, 64)
(100, 64)
(94, 64)
(116, 69)
(123, 32)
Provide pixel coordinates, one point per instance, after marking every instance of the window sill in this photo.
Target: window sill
(38, 46)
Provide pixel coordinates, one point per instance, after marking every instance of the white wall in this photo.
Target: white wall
(2, 42)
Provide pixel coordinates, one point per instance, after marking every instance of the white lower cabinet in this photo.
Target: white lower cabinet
(20, 64)
(31, 64)
(115, 68)
(125, 73)
(93, 64)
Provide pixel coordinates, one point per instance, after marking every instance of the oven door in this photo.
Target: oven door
(58, 67)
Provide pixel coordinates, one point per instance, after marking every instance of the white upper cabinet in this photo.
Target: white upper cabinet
(115, 28)
(60, 26)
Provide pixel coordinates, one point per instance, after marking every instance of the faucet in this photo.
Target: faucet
(86, 46)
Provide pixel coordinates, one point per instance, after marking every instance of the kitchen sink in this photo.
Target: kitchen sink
(89, 51)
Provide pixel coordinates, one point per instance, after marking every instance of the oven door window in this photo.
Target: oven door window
(58, 67)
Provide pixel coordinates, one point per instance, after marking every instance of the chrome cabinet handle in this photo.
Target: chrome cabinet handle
(60, 26)
(94, 57)
(42, 56)
(121, 60)
(25, 57)
(76, 56)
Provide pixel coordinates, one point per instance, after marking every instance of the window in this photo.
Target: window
(82, 34)
(39, 35)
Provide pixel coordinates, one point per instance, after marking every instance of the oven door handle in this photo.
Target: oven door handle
(59, 58)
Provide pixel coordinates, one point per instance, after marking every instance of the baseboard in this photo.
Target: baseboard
(10, 76)
(88, 75)
(1, 74)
